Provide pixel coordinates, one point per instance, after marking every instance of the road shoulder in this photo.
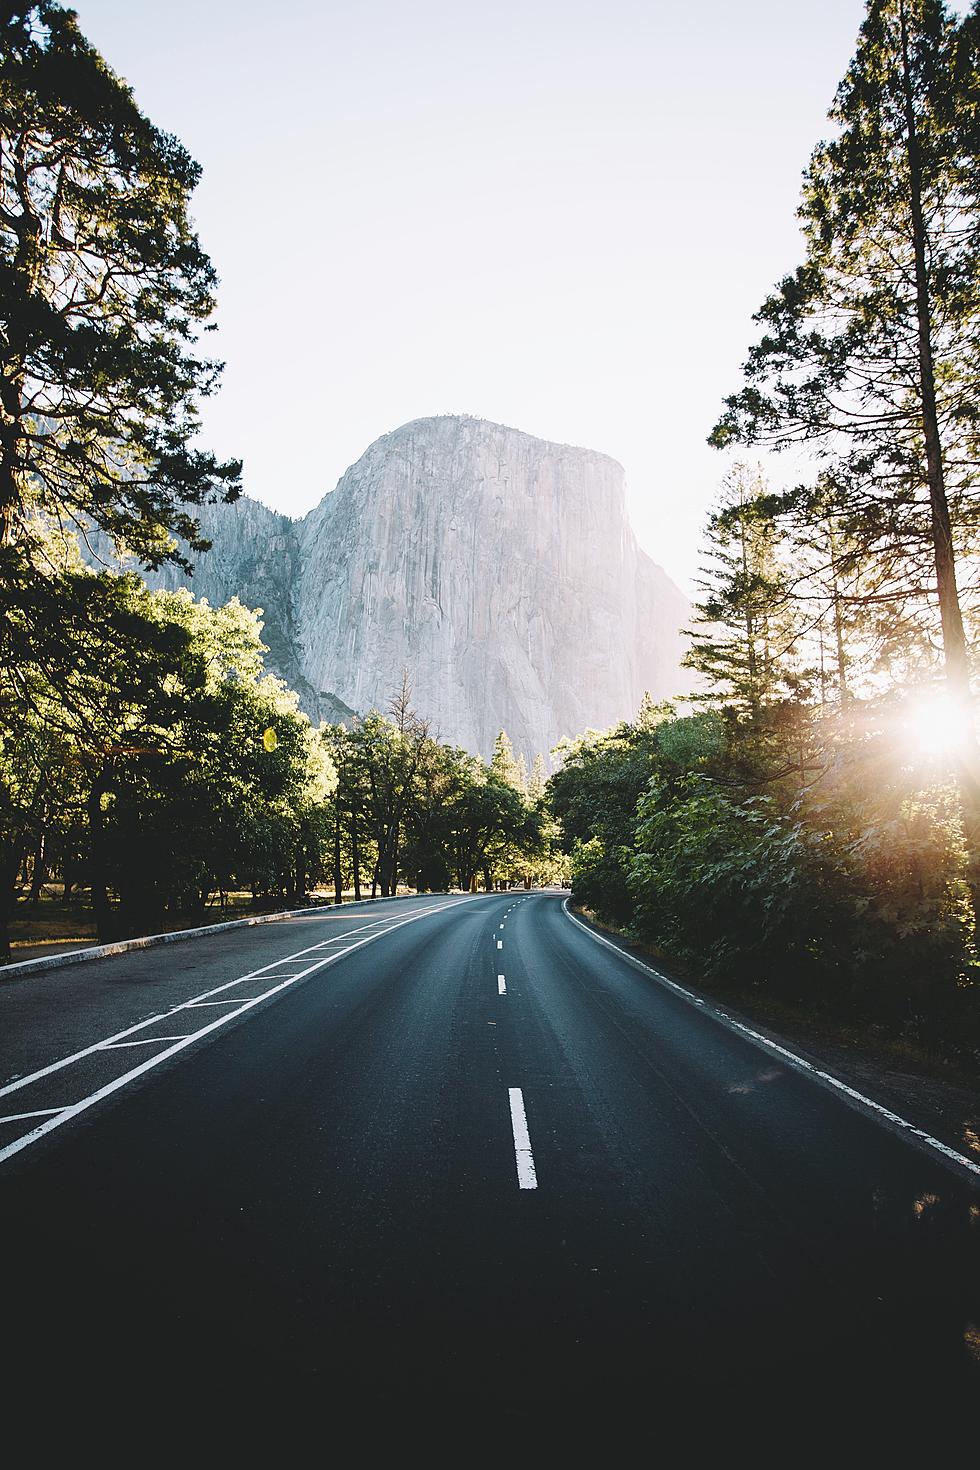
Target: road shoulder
(947, 1110)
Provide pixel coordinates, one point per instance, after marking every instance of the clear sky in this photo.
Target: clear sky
(557, 214)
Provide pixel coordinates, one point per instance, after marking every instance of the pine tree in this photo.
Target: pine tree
(743, 629)
(871, 349)
(538, 779)
(503, 764)
(105, 288)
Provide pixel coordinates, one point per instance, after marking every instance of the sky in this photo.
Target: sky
(559, 215)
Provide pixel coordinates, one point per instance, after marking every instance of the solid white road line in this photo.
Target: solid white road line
(147, 1041)
(65, 1114)
(193, 1005)
(501, 985)
(526, 1177)
(38, 1113)
(800, 1064)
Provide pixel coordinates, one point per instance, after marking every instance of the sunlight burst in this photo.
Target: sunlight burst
(935, 726)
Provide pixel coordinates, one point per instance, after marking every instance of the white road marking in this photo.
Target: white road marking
(526, 1177)
(193, 1005)
(501, 985)
(64, 1115)
(148, 1041)
(799, 1063)
(38, 1113)
(87, 1051)
(500, 944)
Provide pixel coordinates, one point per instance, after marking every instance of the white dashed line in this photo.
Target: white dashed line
(501, 985)
(526, 1176)
(500, 944)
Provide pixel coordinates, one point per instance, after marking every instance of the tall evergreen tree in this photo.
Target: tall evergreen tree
(871, 349)
(743, 625)
(504, 766)
(105, 288)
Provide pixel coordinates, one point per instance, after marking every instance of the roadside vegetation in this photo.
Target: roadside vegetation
(811, 834)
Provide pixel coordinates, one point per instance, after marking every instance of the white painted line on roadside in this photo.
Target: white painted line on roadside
(146, 1041)
(64, 1115)
(151, 941)
(501, 985)
(193, 1005)
(526, 1176)
(38, 1113)
(799, 1063)
(87, 1051)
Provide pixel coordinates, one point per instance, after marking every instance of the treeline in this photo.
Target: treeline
(802, 858)
(154, 767)
(150, 760)
(814, 832)
(410, 809)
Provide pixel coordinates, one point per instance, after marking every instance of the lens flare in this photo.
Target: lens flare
(934, 726)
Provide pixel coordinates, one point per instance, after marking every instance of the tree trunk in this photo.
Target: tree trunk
(842, 689)
(9, 863)
(37, 871)
(355, 854)
(752, 660)
(338, 877)
(955, 652)
(96, 826)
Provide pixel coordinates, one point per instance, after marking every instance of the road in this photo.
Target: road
(456, 1155)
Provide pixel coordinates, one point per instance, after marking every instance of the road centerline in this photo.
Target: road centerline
(526, 1174)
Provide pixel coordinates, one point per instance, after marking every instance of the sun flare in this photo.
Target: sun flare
(935, 726)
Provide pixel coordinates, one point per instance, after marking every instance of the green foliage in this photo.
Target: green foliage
(692, 743)
(105, 287)
(745, 628)
(143, 741)
(410, 809)
(735, 889)
(594, 795)
(840, 886)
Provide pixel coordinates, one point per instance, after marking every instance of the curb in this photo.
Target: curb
(24, 968)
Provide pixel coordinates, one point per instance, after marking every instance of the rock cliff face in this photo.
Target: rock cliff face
(498, 569)
(254, 556)
(501, 571)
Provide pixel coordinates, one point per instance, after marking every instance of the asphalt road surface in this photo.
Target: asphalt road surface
(455, 1159)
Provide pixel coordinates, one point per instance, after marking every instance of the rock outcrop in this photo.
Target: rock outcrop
(501, 571)
(498, 569)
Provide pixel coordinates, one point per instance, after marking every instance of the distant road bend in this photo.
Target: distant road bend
(452, 1150)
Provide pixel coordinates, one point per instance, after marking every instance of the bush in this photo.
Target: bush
(736, 891)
